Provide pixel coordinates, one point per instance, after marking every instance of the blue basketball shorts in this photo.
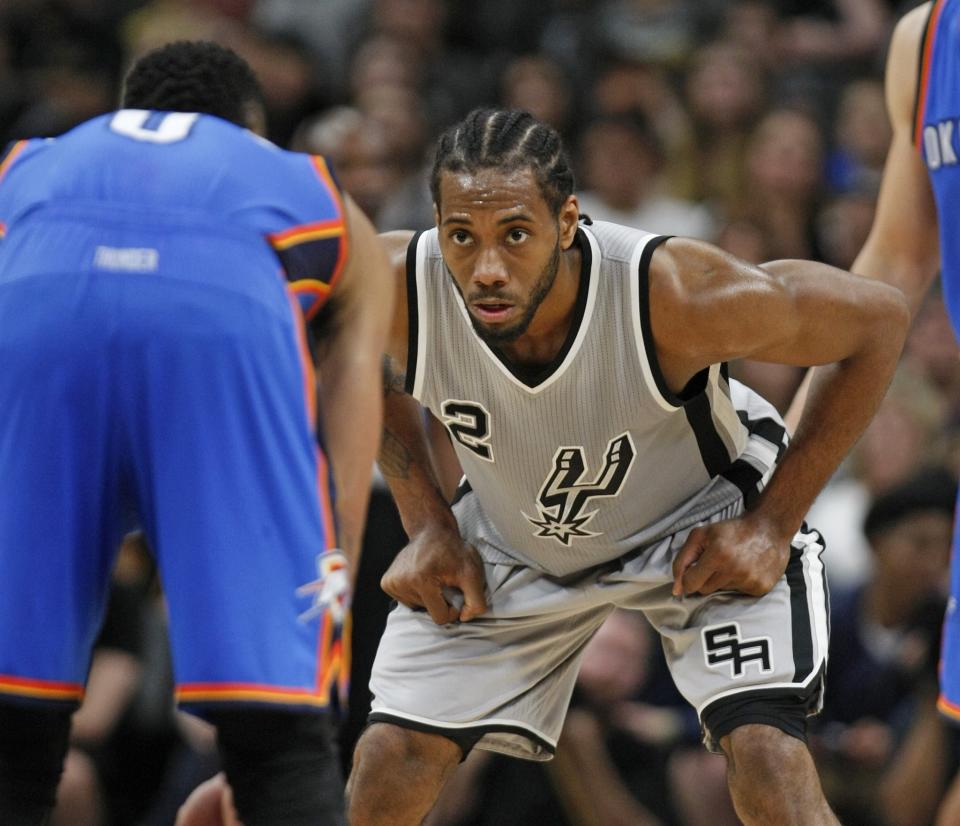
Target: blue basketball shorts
(185, 391)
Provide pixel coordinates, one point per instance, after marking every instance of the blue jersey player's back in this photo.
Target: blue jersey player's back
(157, 267)
(153, 355)
(937, 132)
(167, 170)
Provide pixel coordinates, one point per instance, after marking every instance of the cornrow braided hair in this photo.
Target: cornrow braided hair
(193, 76)
(507, 140)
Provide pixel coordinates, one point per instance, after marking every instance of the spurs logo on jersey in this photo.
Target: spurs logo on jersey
(722, 644)
(563, 496)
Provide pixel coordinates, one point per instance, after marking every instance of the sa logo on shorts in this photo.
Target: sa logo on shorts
(722, 645)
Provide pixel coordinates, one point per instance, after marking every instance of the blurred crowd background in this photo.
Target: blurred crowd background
(759, 125)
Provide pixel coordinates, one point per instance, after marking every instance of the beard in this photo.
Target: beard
(543, 285)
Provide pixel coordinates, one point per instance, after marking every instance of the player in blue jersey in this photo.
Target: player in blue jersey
(156, 269)
(913, 235)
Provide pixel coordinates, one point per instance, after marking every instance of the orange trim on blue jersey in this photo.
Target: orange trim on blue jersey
(319, 289)
(323, 171)
(946, 707)
(12, 156)
(306, 362)
(247, 692)
(320, 165)
(40, 689)
(346, 657)
(316, 231)
(324, 640)
(925, 62)
(333, 656)
(310, 393)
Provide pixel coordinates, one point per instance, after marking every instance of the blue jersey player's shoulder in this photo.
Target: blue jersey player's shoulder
(304, 220)
(17, 161)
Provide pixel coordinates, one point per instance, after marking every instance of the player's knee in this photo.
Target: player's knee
(398, 774)
(384, 746)
(758, 758)
(758, 750)
(283, 766)
(33, 742)
(756, 724)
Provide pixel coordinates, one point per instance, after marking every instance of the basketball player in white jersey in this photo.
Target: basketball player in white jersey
(580, 373)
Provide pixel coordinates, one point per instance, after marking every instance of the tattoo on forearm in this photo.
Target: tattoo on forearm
(394, 457)
(394, 376)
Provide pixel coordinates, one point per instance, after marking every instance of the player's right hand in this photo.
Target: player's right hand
(436, 559)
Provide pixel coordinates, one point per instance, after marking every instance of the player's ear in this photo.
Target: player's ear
(569, 218)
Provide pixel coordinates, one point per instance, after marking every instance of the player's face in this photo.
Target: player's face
(502, 243)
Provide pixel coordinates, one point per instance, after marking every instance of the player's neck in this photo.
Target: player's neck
(550, 327)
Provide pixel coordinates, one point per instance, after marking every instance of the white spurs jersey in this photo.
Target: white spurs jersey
(593, 456)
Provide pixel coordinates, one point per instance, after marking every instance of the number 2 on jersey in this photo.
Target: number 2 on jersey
(469, 424)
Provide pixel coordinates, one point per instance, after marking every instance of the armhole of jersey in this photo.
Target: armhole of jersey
(416, 319)
(643, 334)
(326, 174)
(923, 70)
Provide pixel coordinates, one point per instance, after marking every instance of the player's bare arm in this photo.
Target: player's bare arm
(437, 557)
(902, 248)
(348, 362)
(708, 307)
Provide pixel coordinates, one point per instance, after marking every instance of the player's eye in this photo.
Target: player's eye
(517, 236)
(460, 237)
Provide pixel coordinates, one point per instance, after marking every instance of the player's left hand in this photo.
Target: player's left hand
(746, 554)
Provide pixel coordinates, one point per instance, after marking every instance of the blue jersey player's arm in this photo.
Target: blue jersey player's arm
(333, 261)
(349, 357)
(903, 246)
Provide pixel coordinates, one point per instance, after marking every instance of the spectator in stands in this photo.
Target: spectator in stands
(883, 655)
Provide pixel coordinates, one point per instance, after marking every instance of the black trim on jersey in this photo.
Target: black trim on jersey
(713, 450)
(743, 474)
(746, 477)
(725, 371)
(767, 429)
(413, 324)
(462, 490)
(919, 82)
(646, 327)
(464, 736)
(535, 375)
